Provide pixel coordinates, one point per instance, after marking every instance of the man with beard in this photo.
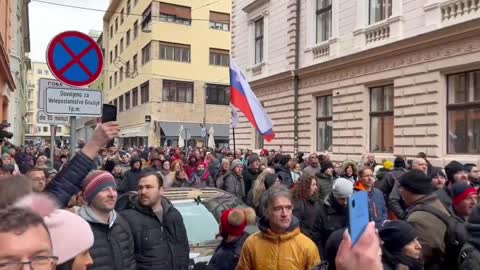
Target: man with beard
(112, 248)
(456, 173)
(473, 174)
(314, 165)
(160, 236)
(464, 201)
(279, 244)
(252, 171)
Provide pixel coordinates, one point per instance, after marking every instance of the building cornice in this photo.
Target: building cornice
(111, 10)
(277, 78)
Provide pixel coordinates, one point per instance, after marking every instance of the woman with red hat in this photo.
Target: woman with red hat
(232, 230)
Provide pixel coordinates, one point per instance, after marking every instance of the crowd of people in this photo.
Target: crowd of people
(64, 213)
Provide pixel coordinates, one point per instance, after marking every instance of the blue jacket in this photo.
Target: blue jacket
(227, 254)
(69, 180)
(377, 207)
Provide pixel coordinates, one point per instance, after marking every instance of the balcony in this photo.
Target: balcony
(460, 8)
(379, 33)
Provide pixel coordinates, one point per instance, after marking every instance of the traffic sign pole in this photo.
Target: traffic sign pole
(52, 142)
(73, 136)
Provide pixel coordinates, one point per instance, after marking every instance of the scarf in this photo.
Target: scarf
(395, 259)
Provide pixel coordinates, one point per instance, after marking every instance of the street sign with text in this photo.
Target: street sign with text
(73, 102)
(45, 83)
(44, 118)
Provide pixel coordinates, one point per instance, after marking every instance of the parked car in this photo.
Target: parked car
(201, 210)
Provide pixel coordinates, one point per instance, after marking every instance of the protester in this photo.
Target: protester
(224, 169)
(279, 238)
(39, 180)
(295, 170)
(325, 180)
(232, 230)
(386, 184)
(50, 174)
(113, 247)
(400, 247)
(201, 177)
(283, 172)
(166, 174)
(263, 182)
(313, 167)
(438, 178)
(181, 179)
(464, 200)
(333, 213)
(376, 201)
(305, 203)
(469, 258)
(125, 162)
(152, 215)
(382, 170)
(233, 181)
(349, 171)
(251, 172)
(132, 176)
(370, 161)
(456, 173)
(473, 174)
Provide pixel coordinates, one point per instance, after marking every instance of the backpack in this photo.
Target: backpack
(469, 258)
(455, 236)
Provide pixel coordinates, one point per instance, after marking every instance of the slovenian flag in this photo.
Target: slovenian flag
(242, 97)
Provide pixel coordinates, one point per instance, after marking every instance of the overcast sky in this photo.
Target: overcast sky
(48, 20)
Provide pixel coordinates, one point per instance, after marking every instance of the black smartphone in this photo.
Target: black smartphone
(109, 113)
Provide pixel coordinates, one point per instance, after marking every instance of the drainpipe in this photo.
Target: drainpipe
(296, 80)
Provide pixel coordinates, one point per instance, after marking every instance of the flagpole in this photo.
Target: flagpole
(234, 148)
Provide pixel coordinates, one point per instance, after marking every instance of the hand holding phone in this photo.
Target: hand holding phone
(358, 214)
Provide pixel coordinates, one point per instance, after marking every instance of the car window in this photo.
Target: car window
(201, 225)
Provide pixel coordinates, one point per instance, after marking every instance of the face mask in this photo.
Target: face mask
(200, 172)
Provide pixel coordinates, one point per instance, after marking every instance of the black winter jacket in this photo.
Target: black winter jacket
(159, 245)
(306, 210)
(131, 180)
(113, 247)
(249, 177)
(283, 173)
(69, 180)
(386, 184)
(331, 217)
(227, 254)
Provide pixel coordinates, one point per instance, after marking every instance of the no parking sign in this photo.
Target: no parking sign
(75, 58)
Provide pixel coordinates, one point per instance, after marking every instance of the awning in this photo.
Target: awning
(171, 129)
(134, 132)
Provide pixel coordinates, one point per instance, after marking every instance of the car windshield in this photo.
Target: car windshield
(200, 223)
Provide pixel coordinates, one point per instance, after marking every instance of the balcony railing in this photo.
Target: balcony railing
(379, 33)
(321, 51)
(459, 8)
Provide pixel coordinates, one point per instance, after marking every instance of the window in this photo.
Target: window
(175, 52)
(115, 103)
(127, 101)
(127, 69)
(135, 30)
(324, 20)
(116, 51)
(381, 119)
(175, 14)
(218, 94)
(45, 129)
(110, 83)
(128, 7)
(116, 24)
(463, 113)
(135, 66)
(219, 21)
(259, 140)
(324, 123)
(147, 17)
(46, 72)
(59, 129)
(30, 94)
(127, 37)
(144, 92)
(121, 45)
(219, 57)
(178, 91)
(121, 73)
(111, 31)
(380, 10)
(259, 41)
(111, 57)
(146, 54)
(120, 104)
(122, 12)
(134, 97)
(115, 77)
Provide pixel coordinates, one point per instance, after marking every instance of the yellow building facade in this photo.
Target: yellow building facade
(166, 67)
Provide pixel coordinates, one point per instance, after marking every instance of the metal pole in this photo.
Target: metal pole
(73, 136)
(234, 147)
(52, 142)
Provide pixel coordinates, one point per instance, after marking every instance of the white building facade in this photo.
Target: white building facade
(19, 64)
(393, 77)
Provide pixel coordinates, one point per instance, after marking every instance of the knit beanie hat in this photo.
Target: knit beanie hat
(234, 221)
(416, 182)
(70, 234)
(235, 163)
(325, 165)
(95, 182)
(399, 162)
(396, 234)
(332, 245)
(270, 180)
(436, 171)
(283, 160)
(252, 158)
(388, 165)
(342, 188)
(460, 191)
(452, 168)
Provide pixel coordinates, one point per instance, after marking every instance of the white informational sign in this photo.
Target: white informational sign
(73, 102)
(44, 118)
(43, 85)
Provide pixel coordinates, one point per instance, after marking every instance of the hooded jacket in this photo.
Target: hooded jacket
(132, 177)
(266, 250)
(234, 184)
(306, 210)
(249, 176)
(283, 173)
(324, 184)
(376, 205)
(227, 254)
(353, 177)
(159, 245)
(112, 248)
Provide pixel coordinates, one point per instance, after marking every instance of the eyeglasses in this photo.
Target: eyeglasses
(37, 263)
